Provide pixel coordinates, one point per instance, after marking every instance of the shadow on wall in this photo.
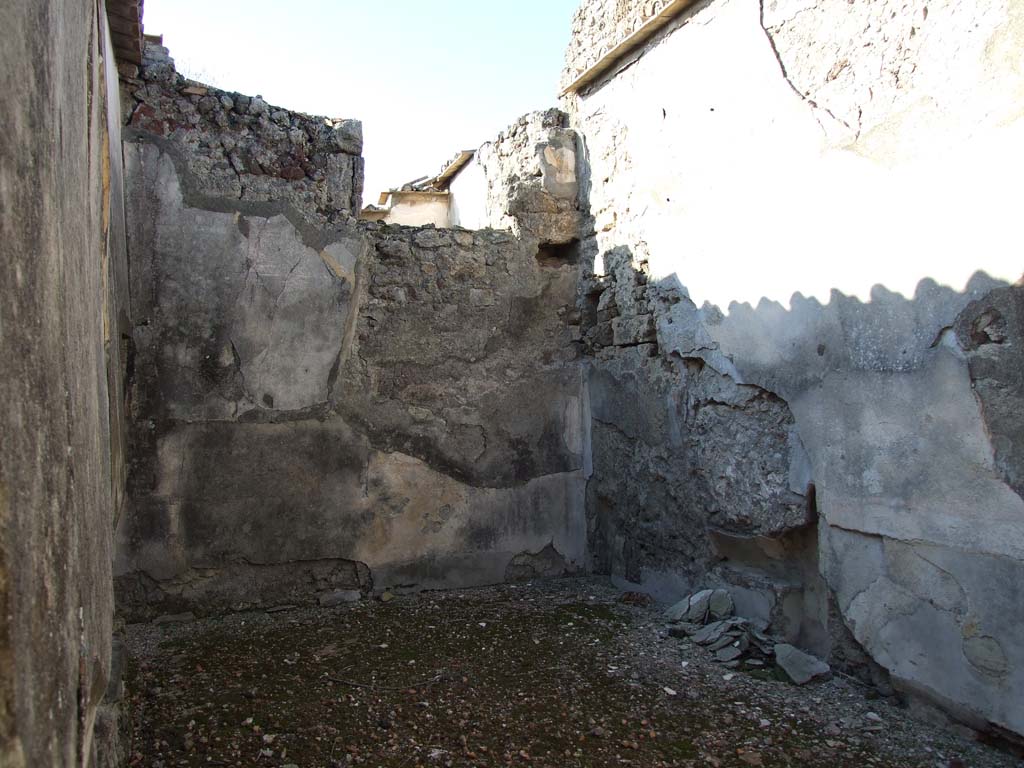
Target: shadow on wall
(716, 438)
(769, 166)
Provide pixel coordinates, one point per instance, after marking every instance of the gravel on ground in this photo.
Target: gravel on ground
(556, 673)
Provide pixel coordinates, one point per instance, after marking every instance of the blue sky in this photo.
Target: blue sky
(426, 78)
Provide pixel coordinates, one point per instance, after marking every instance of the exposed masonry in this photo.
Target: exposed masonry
(597, 27)
(331, 407)
(233, 585)
(240, 147)
(987, 330)
(532, 188)
(703, 452)
(444, 396)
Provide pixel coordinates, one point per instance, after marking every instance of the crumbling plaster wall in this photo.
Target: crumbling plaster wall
(323, 406)
(63, 306)
(813, 150)
(532, 187)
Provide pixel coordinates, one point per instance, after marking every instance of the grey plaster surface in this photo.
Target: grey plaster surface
(339, 408)
(61, 306)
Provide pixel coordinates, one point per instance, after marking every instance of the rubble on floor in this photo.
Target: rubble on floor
(738, 642)
(559, 673)
(801, 667)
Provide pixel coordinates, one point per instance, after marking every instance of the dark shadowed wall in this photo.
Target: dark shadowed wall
(62, 306)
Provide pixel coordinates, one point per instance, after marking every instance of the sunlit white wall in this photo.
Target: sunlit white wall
(417, 209)
(703, 152)
(469, 197)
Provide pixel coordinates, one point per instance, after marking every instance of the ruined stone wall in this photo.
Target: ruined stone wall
(747, 383)
(63, 306)
(530, 171)
(324, 407)
(599, 26)
(686, 458)
(239, 147)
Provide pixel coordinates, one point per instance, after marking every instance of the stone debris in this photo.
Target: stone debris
(800, 667)
(564, 673)
(735, 641)
(698, 608)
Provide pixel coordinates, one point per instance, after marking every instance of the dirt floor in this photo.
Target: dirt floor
(558, 673)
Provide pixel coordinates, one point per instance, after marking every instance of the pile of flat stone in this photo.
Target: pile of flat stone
(707, 618)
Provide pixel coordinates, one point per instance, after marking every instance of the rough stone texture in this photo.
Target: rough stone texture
(532, 187)
(806, 165)
(598, 26)
(991, 332)
(321, 410)
(678, 448)
(458, 336)
(240, 147)
(61, 305)
(338, 408)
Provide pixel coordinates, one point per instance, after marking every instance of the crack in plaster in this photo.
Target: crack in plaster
(924, 542)
(803, 97)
